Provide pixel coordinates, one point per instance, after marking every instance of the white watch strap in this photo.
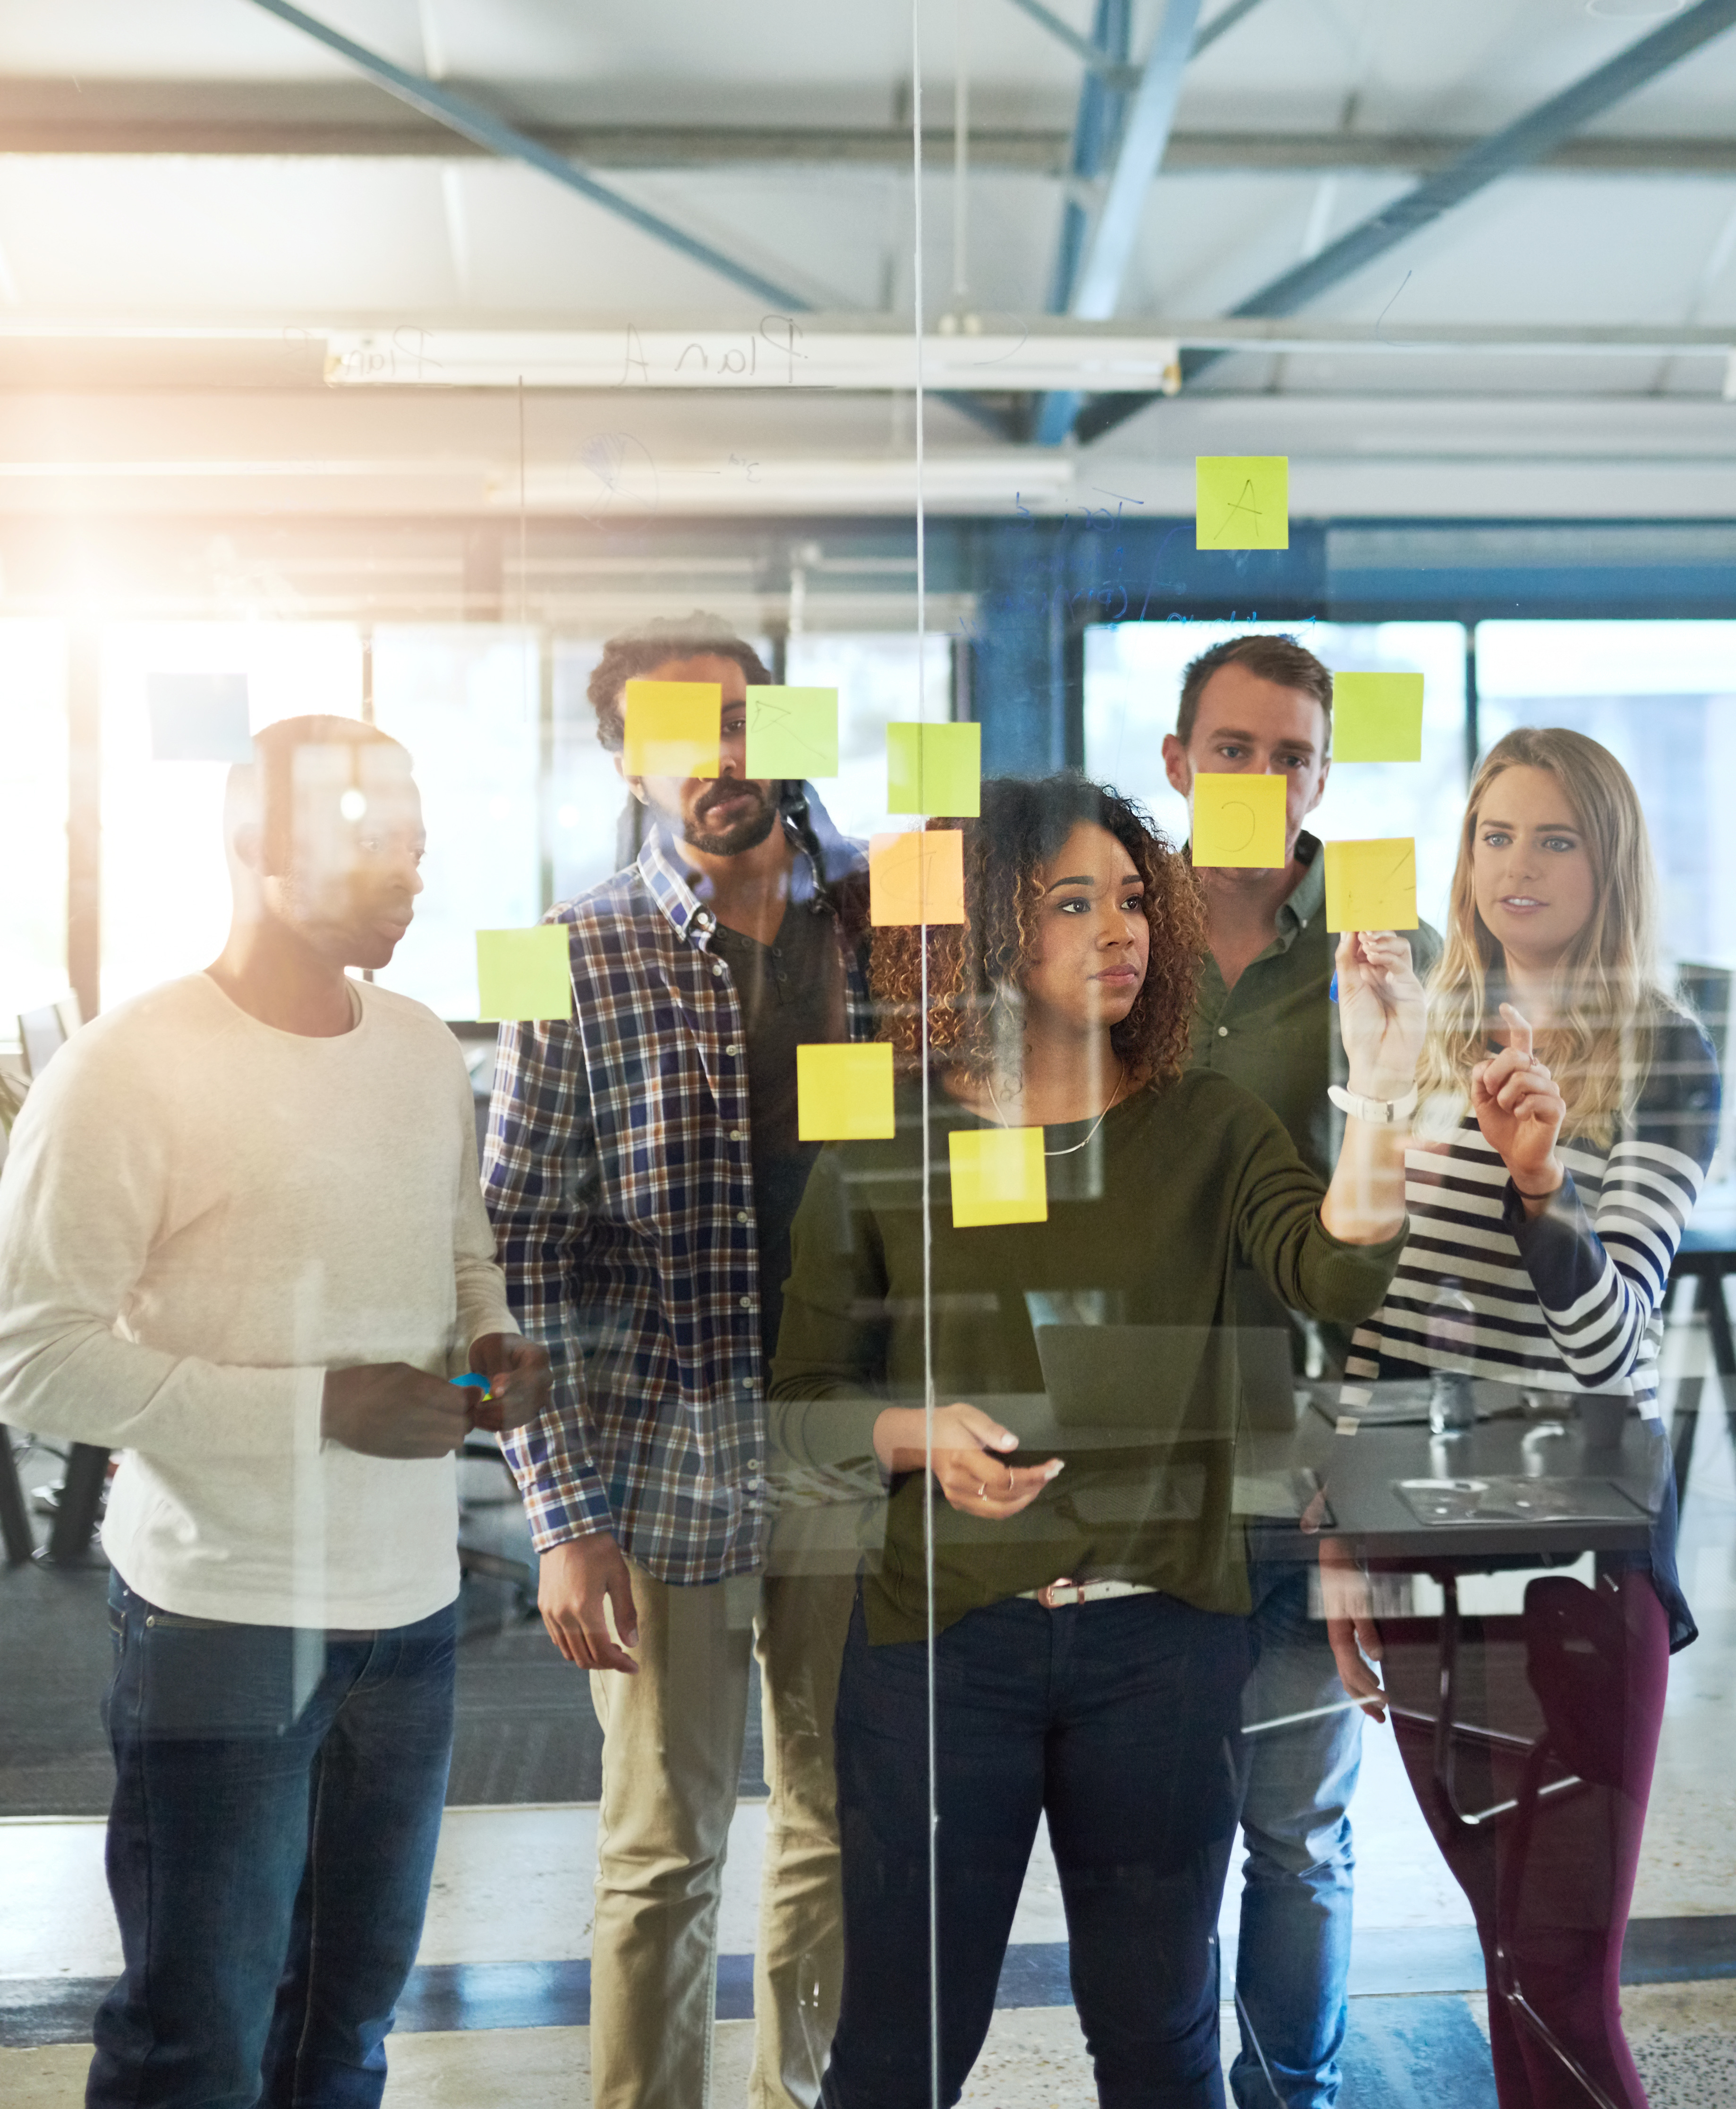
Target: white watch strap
(1383, 1113)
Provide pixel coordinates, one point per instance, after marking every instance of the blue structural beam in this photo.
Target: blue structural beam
(1090, 272)
(481, 126)
(1516, 145)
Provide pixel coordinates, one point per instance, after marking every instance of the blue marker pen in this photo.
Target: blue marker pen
(1332, 994)
(474, 1383)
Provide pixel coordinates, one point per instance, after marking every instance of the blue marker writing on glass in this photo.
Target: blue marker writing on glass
(473, 1383)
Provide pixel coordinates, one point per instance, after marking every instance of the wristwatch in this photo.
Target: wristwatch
(1383, 1113)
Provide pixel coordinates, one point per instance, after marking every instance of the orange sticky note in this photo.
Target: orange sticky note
(1238, 820)
(843, 1092)
(917, 878)
(673, 728)
(1371, 885)
(998, 1177)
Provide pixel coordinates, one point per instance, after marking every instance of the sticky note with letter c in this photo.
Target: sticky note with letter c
(792, 732)
(934, 768)
(523, 974)
(1371, 885)
(1376, 717)
(917, 877)
(1238, 820)
(673, 728)
(998, 1177)
(843, 1092)
(1241, 501)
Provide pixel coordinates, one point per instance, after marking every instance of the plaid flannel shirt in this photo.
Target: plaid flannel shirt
(619, 1174)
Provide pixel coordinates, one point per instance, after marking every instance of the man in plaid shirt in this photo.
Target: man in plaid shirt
(642, 1169)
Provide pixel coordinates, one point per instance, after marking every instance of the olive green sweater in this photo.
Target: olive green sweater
(1145, 1227)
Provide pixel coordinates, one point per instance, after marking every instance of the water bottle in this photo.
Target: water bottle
(1452, 1335)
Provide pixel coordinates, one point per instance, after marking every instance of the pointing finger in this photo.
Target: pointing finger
(1520, 1028)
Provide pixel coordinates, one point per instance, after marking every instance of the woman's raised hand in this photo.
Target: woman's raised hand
(1381, 1012)
(975, 1480)
(1520, 1110)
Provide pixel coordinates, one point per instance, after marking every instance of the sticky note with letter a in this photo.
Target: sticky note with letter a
(1241, 501)
(673, 728)
(843, 1092)
(934, 768)
(998, 1177)
(792, 732)
(1371, 885)
(523, 974)
(917, 877)
(1376, 717)
(1238, 820)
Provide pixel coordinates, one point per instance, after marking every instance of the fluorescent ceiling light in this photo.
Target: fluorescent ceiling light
(780, 354)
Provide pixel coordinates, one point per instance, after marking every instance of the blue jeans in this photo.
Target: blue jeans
(278, 1799)
(1293, 1959)
(1119, 1721)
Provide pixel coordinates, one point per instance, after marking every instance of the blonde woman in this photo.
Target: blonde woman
(1570, 1108)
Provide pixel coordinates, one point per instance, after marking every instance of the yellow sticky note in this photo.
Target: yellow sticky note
(1241, 501)
(934, 768)
(917, 878)
(523, 974)
(1238, 820)
(673, 728)
(998, 1177)
(843, 1092)
(792, 732)
(1376, 717)
(1371, 885)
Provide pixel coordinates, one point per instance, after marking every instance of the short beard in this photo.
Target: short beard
(745, 835)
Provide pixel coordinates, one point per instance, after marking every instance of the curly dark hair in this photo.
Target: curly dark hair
(636, 651)
(1023, 827)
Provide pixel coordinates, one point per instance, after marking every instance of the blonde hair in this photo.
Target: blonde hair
(1610, 996)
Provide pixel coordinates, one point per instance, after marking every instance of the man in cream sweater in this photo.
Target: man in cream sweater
(241, 1240)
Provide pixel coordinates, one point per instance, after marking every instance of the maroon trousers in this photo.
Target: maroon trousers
(1575, 1686)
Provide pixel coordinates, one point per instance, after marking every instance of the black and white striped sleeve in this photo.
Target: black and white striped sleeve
(1600, 1274)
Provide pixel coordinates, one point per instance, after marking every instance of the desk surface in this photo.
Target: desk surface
(1362, 1471)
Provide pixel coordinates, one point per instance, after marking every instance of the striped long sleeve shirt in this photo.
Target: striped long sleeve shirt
(1570, 1300)
(619, 1174)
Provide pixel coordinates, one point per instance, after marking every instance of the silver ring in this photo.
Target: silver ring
(1011, 1482)
(983, 1491)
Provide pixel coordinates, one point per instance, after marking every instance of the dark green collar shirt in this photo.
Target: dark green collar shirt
(1275, 1032)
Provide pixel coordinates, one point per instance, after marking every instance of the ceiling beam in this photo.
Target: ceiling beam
(221, 121)
(486, 129)
(1515, 146)
(1115, 71)
(1093, 292)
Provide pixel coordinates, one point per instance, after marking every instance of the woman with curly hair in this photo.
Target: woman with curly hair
(1089, 1638)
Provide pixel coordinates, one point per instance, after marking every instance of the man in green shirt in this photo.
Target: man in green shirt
(1263, 1017)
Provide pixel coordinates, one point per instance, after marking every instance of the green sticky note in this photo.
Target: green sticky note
(523, 974)
(1376, 717)
(792, 732)
(935, 770)
(1241, 501)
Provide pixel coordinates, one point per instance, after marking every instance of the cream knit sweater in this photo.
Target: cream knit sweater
(199, 1215)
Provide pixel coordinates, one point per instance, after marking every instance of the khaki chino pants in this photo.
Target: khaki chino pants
(671, 1758)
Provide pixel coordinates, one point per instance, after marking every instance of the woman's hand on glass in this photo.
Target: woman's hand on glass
(1520, 1110)
(1381, 1013)
(976, 1479)
(1350, 1630)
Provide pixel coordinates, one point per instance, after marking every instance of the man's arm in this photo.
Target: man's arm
(83, 1196)
(540, 1172)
